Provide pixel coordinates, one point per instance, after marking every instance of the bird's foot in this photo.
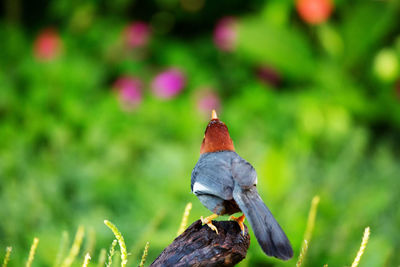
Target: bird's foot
(240, 221)
(208, 221)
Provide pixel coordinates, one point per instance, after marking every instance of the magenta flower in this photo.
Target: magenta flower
(268, 75)
(47, 45)
(168, 83)
(225, 34)
(137, 34)
(207, 100)
(129, 91)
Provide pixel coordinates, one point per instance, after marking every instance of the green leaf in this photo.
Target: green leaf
(364, 28)
(285, 49)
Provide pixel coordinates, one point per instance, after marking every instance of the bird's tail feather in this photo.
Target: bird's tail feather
(268, 232)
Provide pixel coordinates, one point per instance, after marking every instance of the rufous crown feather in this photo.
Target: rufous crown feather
(216, 136)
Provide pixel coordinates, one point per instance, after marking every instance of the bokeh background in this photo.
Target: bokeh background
(103, 106)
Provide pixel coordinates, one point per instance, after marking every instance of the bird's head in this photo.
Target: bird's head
(216, 136)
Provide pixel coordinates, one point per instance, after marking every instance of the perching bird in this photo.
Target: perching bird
(225, 184)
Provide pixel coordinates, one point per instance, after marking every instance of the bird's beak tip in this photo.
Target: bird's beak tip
(214, 115)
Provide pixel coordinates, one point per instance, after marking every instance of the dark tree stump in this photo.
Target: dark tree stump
(200, 246)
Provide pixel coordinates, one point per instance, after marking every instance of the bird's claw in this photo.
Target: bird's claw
(208, 221)
(212, 226)
(240, 221)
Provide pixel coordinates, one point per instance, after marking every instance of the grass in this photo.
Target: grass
(62, 248)
(76, 245)
(360, 252)
(86, 260)
(7, 256)
(111, 252)
(32, 252)
(102, 257)
(309, 230)
(121, 242)
(145, 252)
(310, 227)
(185, 217)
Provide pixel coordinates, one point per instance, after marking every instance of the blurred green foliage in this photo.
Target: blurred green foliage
(71, 155)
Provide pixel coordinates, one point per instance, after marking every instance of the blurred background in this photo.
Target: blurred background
(103, 107)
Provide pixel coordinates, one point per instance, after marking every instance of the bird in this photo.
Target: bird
(225, 183)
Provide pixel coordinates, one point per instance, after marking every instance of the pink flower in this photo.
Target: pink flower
(47, 45)
(168, 83)
(314, 11)
(129, 91)
(268, 75)
(225, 34)
(207, 100)
(137, 34)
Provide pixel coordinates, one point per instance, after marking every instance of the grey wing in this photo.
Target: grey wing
(212, 176)
(243, 173)
(267, 230)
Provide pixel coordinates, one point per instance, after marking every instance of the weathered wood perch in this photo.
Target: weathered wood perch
(200, 246)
